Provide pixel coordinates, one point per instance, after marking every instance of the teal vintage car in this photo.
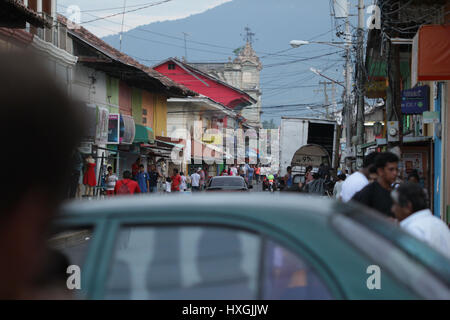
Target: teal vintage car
(241, 246)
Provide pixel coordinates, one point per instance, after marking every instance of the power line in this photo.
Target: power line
(178, 38)
(132, 10)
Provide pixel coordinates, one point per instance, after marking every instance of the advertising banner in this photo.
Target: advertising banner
(114, 128)
(416, 100)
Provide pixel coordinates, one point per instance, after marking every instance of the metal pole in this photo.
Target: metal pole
(123, 18)
(360, 80)
(348, 90)
(185, 46)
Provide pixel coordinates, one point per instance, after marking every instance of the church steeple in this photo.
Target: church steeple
(247, 54)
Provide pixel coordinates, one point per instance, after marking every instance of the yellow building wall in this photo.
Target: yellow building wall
(160, 115)
(148, 106)
(154, 112)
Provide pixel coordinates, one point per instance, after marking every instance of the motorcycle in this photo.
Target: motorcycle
(271, 185)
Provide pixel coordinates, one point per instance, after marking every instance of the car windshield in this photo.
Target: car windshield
(227, 182)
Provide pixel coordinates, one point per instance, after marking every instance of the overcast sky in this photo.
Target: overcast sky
(171, 10)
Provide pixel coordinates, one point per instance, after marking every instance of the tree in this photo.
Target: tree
(238, 50)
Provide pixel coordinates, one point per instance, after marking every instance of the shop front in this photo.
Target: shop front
(431, 64)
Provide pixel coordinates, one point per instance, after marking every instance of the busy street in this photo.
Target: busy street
(190, 150)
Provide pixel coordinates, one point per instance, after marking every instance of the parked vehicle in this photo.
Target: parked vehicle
(307, 142)
(235, 247)
(227, 184)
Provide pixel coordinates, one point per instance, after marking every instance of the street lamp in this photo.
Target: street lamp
(317, 72)
(299, 43)
(348, 77)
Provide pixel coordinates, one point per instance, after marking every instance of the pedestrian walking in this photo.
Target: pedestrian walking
(250, 174)
(126, 185)
(195, 181)
(316, 185)
(257, 173)
(153, 176)
(413, 177)
(183, 184)
(135, 168)
(202, 178)
(168, 185)
(411, 210)
(377, 195)
(234, 171)
(359, 179)
(111, 180)
(338, 186)
(288, 178)
(176, 181)
(142, 179)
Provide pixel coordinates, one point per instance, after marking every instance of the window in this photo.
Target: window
(144, 112)
(288, 277)
(144, 120)
(171, 66)
(68, 247)
(72, 243)
(184, 262)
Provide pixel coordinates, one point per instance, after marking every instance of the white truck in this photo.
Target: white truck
(307, 142)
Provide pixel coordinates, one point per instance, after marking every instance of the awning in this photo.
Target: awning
(431, 54)
(144, 134)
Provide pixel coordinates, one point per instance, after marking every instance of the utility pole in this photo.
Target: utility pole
(325, 93)
(121, 29)
(333, 98)
(360, 92)
(348, 89)
(185, 45)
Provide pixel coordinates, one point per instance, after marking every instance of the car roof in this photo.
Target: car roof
(256, 201)
(227, 177)
(296, 216)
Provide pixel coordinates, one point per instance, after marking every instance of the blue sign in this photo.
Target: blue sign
(416, 100)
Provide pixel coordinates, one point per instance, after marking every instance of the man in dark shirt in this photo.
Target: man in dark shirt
(377, 195)
(153, 179)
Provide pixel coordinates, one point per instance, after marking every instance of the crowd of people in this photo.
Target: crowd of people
(138, 180)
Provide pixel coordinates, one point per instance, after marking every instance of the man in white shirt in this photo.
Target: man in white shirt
(358, 180)
(234, 171)
(410, 208)
(195, 180)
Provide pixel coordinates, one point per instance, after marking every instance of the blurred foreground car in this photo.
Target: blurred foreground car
(227, 184)
(237, 246)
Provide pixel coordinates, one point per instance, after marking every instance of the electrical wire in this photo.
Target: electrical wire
(128, 11)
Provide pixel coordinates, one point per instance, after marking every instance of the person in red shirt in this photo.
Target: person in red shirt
(176, 180)
(135, 168)
(126, 185)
